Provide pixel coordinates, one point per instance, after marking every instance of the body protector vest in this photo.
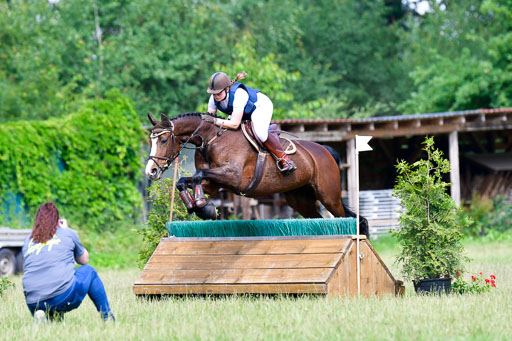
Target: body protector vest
(249, 107)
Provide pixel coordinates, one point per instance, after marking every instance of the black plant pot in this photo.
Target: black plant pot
(434, 286)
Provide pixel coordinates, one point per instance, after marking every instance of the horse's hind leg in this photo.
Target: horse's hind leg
(303, 200)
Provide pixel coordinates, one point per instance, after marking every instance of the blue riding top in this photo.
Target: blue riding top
(249, 107)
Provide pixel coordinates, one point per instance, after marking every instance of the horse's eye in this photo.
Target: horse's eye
(164, 141)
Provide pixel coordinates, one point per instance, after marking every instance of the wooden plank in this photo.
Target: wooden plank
(197, 262)
(234, 276)
(247, 247)
(212, 289)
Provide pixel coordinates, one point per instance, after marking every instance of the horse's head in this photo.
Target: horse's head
(165, 147)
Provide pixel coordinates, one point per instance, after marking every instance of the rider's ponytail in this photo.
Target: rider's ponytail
(240, 75)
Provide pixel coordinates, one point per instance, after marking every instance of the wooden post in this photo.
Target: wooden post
(351, 173)
(173, 190)
(454, 166)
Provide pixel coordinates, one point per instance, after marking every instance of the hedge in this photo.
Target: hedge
(88, 163)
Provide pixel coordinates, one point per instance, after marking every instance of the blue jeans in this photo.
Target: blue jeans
(86, 282)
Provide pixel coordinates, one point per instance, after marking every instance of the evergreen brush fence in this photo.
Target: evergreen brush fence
(248, 228)
(87, 163)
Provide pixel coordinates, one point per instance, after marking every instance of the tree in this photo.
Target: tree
(461, 57)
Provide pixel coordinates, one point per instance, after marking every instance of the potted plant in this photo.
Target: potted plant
(431, 251)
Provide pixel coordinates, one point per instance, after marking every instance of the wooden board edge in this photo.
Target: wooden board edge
(212, 289)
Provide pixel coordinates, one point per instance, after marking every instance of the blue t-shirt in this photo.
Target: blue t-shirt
(50, 266)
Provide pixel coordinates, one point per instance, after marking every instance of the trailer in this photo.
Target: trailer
(11, 242)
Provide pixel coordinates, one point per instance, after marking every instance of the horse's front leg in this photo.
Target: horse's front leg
(221, 175)
(182, 185)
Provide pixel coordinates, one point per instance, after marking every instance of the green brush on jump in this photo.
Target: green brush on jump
(249, 228)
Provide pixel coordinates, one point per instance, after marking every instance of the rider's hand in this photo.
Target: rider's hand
(208, 118)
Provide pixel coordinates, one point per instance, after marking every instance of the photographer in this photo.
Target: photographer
(51, 284)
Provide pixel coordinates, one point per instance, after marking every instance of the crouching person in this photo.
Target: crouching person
(51, 284)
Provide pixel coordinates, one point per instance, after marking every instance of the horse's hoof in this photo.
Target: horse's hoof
(207, 212)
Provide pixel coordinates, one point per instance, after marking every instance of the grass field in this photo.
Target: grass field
(469, 317)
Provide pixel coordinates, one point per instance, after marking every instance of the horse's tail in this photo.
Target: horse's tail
(363, 223)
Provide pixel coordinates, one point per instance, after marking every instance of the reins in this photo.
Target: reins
(182, 145)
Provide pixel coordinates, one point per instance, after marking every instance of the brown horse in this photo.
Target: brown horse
(225, 158)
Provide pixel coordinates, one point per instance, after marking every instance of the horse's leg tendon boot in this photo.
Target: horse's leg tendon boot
(285, 165)
(199, 198)
(187, 200)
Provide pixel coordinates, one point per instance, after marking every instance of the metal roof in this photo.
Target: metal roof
(397, 117)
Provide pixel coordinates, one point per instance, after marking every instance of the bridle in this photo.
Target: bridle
(174, 138)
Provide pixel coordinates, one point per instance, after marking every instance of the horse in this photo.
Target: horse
(226, 159)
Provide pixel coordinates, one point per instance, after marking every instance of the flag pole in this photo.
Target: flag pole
(358, 260)
(361, 146)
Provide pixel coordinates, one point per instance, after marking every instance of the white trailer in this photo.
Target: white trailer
(11, 242)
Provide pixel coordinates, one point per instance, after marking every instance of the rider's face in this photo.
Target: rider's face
(221, 95)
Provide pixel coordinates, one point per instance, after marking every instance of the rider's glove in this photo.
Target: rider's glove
(208, 118)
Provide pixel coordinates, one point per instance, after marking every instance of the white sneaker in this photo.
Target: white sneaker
(40, 317)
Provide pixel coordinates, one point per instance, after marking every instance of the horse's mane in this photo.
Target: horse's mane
(182, 115)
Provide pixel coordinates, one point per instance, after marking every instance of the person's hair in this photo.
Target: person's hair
(45, 224)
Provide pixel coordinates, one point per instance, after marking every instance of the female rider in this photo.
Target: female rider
(244, 103)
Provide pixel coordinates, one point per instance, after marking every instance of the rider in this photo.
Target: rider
(242, 102)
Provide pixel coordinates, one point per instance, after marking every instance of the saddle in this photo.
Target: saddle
(248, 131)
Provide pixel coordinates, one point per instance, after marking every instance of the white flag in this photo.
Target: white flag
(362, 143)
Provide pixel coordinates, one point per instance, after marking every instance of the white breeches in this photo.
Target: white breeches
(262, 116)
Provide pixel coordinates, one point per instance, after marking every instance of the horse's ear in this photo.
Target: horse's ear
(152, 119)
(165, 120)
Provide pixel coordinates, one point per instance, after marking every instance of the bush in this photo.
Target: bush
(429, 233)
(5, 284)
(88, 163)
(160, 199)
(487, 215)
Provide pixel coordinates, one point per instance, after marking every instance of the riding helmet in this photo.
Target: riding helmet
(218, 82)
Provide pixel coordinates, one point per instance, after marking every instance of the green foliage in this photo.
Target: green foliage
(429, 235)
(263, 74)
(88, 163)
(486, 215)
(478, 284)
(161, 53)
(160, 198)
(5, 284)
(461, 57)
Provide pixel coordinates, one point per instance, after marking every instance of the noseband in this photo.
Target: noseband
(169, 160)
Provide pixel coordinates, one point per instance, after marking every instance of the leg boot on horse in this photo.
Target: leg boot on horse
(285, 165)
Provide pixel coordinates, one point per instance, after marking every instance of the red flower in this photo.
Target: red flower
(493, 277)
(492, 281)
(481, 273)
(457, 273)
(494, 285)
(487, 281)
(473, 277)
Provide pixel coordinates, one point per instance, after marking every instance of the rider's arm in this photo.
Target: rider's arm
(239, 103)
(212, 108)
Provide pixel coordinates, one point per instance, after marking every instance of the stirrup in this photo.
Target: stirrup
(290, 164)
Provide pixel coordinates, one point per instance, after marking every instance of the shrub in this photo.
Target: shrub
(487, 215)
(88, 163)
(429, 235)
(5, 284)
(160, 199)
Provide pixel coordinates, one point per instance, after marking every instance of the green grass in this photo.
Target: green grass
(470, 317)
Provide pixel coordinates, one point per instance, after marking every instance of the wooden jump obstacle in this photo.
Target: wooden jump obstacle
(319, 264)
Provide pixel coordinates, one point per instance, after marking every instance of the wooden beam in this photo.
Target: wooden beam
(454, 166)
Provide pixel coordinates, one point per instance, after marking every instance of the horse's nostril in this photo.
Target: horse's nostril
(153, 171)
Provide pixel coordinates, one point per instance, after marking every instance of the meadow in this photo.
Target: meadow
(411, 317)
